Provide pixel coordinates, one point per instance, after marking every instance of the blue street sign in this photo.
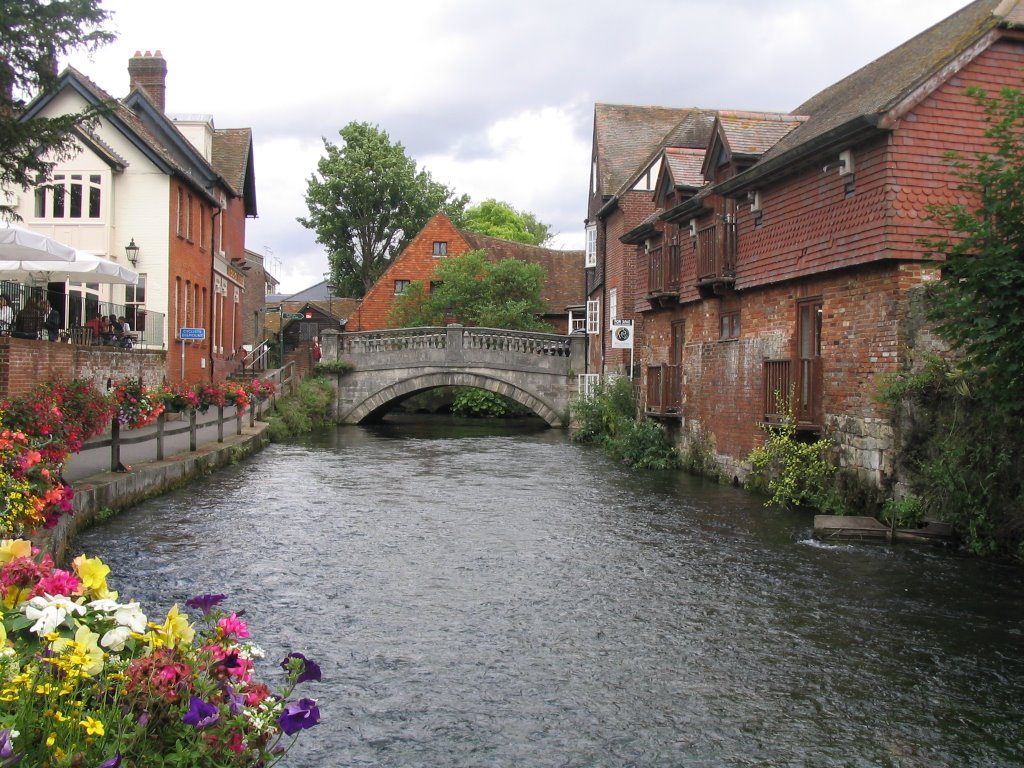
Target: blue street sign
(192, 333)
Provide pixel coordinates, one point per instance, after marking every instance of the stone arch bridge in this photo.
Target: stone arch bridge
(537, 370)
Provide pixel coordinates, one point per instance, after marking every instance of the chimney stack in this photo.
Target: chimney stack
(149, 72)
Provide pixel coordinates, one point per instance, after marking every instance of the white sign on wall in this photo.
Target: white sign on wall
(622, 334)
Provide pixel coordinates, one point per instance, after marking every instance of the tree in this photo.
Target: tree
(977, 304)
(499, 219)
(476, 292)
(366, 201)
(33, 33)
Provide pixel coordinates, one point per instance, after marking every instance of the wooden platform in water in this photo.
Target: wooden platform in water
(855, 528)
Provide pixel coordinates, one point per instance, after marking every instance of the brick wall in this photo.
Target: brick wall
(416, 262)
(863, 338)
(24, 363)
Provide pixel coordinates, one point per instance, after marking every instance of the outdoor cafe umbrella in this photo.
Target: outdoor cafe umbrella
(86, 268)
(17, 244)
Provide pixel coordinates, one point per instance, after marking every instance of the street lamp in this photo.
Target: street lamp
(132, 252)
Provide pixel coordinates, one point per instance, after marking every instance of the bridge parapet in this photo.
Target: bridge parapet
(535, 369)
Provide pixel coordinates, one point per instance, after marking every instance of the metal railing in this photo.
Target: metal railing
(75, 309)
(258, 360)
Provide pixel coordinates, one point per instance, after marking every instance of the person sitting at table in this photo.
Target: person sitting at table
(126, 332)
(98, 327)
(113, 333)
(29, 321)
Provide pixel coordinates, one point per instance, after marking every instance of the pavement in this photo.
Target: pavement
(97, 460)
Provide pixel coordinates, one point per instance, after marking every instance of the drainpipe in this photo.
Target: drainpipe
(213, 293)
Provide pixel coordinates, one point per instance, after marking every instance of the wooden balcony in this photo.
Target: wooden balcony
(796, 383)
(665, 390)
(663, 274)
(716, 256)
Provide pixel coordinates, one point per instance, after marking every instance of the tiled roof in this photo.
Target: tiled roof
(881, 85)
(231, 150)
(625, 136)
(685, 165)
(754, 133)
(340, 309)
(564, 285)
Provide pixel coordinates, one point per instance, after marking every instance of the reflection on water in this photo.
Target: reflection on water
(493, 596)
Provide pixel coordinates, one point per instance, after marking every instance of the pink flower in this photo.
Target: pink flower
(232, 625)
(59, 582)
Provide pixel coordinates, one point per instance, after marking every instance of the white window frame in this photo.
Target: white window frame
(586, 383)
(613, 304)
(593, 317)
(591, 253)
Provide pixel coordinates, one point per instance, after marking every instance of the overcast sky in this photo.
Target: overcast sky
(494, 100)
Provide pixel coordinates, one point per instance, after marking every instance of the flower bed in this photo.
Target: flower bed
(86, 679)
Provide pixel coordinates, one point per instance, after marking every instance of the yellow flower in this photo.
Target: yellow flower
(92, 726)
(10, 549)
(93, 573)
(84, 651)
(51, 739)
(175, 630)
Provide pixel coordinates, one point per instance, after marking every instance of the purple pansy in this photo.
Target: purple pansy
(7, 747)
(200, 714)
(299, 715)
(113, 762)
(310, 669)
(205, 602)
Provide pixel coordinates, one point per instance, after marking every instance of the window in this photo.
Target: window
(70, 196)
(401, 286)
(613, 304)
(730, 328)
(188, 218)
(440, 248)
(180, 213)
(202, 227)
(135, 299)
(591, 257)
(593, 317)
(434, 285)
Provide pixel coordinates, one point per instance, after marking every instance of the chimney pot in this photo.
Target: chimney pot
(149, 73)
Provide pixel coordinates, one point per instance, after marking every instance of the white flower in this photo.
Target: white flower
(129, 615)
(115, 638)
(49, 612)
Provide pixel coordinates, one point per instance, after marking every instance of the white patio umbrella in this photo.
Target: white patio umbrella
(86, 268)
(17, 243)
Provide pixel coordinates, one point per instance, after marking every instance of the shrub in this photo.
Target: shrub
(608, 418)
(137, 406)
(302, 411)
(481, 403)
(794, 472)
(339, 367)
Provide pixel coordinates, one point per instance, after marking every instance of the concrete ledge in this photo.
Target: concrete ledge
(118, 491)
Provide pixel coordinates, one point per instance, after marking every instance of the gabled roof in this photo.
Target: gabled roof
(624, 136)
(684, 164)
(154, 134)
(752, 134)
(880, 92)
(233, 160)
(564, 283)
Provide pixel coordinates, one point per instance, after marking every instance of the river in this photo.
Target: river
(481, 596)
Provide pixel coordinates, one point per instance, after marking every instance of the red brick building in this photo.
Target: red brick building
(440, 239)
(791, 267)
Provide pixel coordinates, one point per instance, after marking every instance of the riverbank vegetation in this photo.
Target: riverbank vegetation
(607, 417)
(302, 411)
(961, 457)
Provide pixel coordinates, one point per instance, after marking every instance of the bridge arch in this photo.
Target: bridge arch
(378, 401)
